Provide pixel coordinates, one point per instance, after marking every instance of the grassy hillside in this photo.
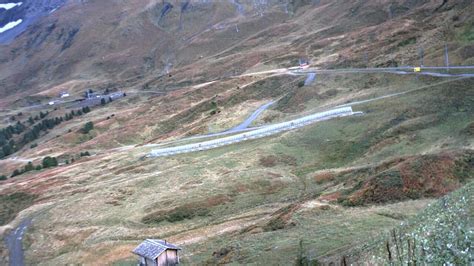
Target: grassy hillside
(442, 233)
(308, 195)
(267, 195)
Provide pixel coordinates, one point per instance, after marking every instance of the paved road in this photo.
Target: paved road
(164, 152)
(255, 133)
(310, 79)
(250, 119)
(408, 69)
(243, 127)
(14, 243)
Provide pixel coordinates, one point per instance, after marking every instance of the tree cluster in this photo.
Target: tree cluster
(87, 128)
(47, 162)
(8, 145)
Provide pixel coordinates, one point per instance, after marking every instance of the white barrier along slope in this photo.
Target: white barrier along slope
(254, 134)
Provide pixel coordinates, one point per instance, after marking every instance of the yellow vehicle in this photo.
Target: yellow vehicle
(417, 69)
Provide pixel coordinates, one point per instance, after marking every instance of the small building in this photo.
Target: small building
(157, 252)
(304, 63)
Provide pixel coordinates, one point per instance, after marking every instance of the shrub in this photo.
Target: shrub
(2, 178)
(87, 128)
(275, 224)
(11, 204)
(16, 173)
(175, 215)
(268, 161)
(29, 167)
(49, 162)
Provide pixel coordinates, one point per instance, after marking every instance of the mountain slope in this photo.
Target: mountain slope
(199, 67)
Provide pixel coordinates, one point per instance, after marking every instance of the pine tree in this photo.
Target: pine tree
(87, 127)
(16, 173)
(29, 167)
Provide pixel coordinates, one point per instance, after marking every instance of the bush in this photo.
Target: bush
(16, 173)
(12, 204)
(300, 84)
(2, 178)
(49, 162)
(29, 167)
(87, 128)
(275, 224)
(175, 215)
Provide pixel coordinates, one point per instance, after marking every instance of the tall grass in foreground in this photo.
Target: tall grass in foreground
(441, 235)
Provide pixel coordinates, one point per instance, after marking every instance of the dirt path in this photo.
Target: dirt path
(203, 233)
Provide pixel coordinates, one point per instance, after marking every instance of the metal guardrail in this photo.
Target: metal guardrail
(257, 133)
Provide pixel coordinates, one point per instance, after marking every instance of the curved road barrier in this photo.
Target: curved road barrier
(257, 133)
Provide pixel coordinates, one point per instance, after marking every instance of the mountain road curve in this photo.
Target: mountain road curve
(256, 133)
(251, 118)
(270, 129)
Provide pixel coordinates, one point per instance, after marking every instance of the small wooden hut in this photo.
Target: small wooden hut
(156, 252)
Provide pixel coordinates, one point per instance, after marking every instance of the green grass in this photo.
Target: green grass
(236, 173)
(406, 42)
(322, 232)
(466, 34)
(12, 204)
(441, 234)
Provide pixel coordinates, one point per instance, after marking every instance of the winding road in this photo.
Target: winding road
(250, 119)
(14, 239)
(266, 130)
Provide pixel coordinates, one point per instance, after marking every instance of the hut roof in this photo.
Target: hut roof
(152, 248)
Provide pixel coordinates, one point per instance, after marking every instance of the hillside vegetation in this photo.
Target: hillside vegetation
(366, 188)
